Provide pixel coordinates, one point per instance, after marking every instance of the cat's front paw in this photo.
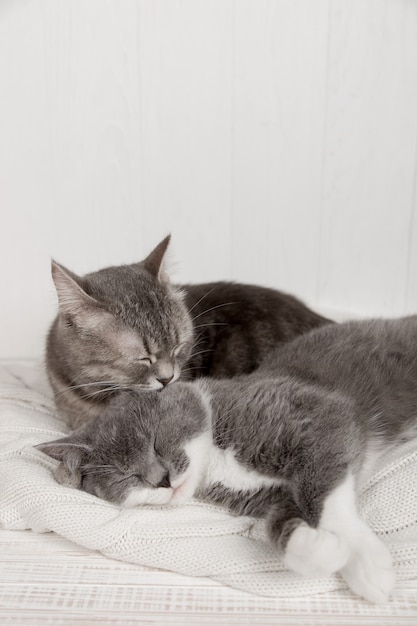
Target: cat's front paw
(315, 552)
(137, 497)
(183, 490)
(369, 572)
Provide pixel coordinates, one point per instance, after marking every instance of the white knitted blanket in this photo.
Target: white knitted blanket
(196, 539)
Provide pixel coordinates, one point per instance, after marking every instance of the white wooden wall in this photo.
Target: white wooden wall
(275, 139)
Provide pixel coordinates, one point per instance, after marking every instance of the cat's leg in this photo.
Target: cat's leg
(305, 549)
(369, 570)
(315, 552)
(324, 534)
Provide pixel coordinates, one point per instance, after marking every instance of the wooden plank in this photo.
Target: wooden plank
(185, 62)
(371, 131)
(275, 139)
(410, 305)
(45, 579)
(280, 62)
(70, 139)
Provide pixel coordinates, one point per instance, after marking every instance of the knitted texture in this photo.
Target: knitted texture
(196, 539)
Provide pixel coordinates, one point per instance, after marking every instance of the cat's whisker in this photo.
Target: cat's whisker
(201, 352)
(189, 377)
(82, 376)
(186, 373)
(202, 298)
(199, 341)
(193, 367)
(105, 390)
(81, 385)
(214, 307)
(213, 324)
(110, 387)
(138, 386)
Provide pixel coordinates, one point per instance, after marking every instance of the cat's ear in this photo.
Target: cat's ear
(73, 299)
(71, 296)
(70, 451)
(156, 263)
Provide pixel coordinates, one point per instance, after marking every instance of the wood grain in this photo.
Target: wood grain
(45, 579)
(370, 153)
(275, 139)
(278, 120)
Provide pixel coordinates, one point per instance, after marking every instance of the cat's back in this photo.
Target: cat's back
(237, 325)
(360, 374)
(243, 303)
(366, 359)
(359, 340)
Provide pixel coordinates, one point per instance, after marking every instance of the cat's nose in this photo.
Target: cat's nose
(165, 381)
(165, 481)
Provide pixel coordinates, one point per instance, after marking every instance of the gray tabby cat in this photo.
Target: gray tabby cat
(129, 327)
(290, 443)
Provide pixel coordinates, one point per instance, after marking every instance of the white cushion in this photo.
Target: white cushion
(196, 539)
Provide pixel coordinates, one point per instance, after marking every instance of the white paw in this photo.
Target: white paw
(369, 572)
(183, 491)
(315, 552)
(136, 497)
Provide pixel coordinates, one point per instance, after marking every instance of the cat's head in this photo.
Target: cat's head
(119, 327)
(144, 449)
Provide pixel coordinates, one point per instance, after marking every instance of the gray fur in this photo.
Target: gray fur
(306, 418)
(110, 318)
(136, 442)
(108, 321)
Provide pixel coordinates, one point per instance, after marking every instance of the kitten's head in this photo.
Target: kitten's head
(119, 327)
(143, 449)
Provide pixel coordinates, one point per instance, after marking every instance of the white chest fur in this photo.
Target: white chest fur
(224, 468)
(221, 466)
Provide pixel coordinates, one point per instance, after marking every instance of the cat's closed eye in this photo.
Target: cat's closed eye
(142, 360)
(134, 477)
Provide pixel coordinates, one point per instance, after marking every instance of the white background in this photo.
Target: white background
(275, 139)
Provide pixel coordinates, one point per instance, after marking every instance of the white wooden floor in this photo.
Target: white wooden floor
(45, 579)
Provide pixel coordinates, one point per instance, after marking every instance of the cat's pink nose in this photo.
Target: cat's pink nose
(165, 381)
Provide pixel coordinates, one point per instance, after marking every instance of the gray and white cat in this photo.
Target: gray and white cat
(129, 327)
(289, 443)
